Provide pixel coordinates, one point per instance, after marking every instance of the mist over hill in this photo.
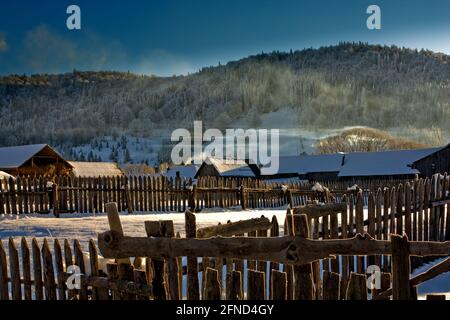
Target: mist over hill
(350, 84)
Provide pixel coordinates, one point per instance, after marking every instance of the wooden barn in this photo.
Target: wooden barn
(212, 167)
(95, 169)
(382, 165)
(308, 167)
(435, 162)
(37, 159)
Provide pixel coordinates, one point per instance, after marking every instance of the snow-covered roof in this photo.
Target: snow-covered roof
(95, 169)
(5, 176)
(382, 163)
(308, 164)
(185, 171)
(14, 157)
(238, 168)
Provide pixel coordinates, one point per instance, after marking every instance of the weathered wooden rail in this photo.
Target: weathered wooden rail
(257, 263)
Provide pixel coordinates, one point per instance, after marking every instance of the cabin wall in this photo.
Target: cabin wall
(207, 170)
(438, 162)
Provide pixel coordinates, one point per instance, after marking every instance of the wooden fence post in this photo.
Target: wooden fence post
(256, 285)
(212, 287)
(357, 287)
(242, 197)
(303, 280)
(278, 284)
(14, 271)
(4, 292)
(192, 264)
(234, 286)
(115, 224)
(153, 229)
(331, 286)
(401, 268)
(174, 287)
(49, 276)
(37, 267)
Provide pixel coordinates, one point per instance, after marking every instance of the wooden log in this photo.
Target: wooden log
(435, 297)
(59, 266)
(153, 229)
(115, 223)
(256, 285)
(357, 287)
(233, 228)
(291, 250)
(14, 270)
(234, 286)
(401, 268)
(278, 284)
(212, 287)
(37, 268)
(49, 275)
(331, 286)
(193, 292)
(4, 290)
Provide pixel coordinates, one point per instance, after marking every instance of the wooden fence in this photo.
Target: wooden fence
(143, 193)
(324, 251)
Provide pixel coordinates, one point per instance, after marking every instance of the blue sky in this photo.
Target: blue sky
(168, 37)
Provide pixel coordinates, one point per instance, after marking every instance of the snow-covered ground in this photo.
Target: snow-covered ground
(85, 227)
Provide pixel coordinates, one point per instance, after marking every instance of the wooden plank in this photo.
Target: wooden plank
(303, 281)
(49, 275)
(401, 268)
(14, 270)
(234, 228)
(59, 266)
(408, 206)
(359, 228)
(26, 269)
(37, 268)
(79, 261)
(256, 285)
(140, 278)
(113, 275)
(192, 265)
(212, 287)
(4, 291)
(115, 224)
(278, 284)
(126, 273)
(331, 286)
(173, 285)
(97, 293)
(357, 287)
(153, 229)
(234, 289)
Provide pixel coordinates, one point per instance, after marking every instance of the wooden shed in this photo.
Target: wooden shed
(436, 162)
(95, 169)
(37, 159)
(212, 167)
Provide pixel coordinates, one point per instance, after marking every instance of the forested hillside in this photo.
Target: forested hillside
(344, 85)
